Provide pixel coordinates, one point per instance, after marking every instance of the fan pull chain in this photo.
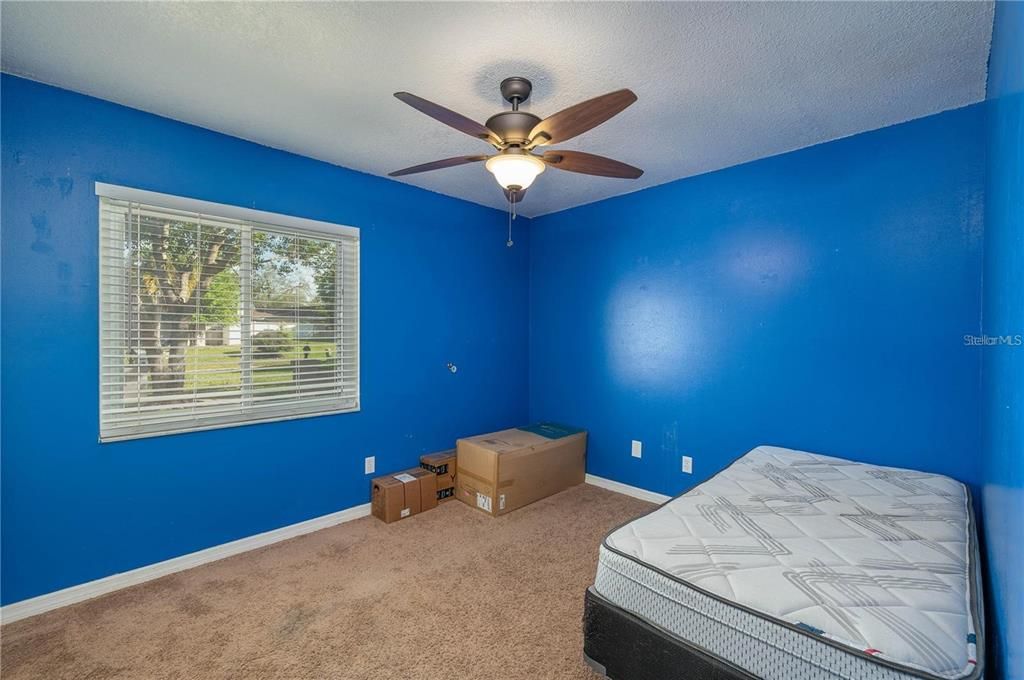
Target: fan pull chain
(511, 216)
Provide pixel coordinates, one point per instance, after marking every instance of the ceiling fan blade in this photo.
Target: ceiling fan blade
(448, 117)
(590, 164)
(514, 197)
(576, 120)
(437, 165)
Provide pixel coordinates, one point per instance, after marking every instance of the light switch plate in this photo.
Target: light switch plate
(637, 450)
(688, 465)
(369, 465)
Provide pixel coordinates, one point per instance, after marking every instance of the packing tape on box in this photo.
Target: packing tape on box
(478, 478)
(501, 485)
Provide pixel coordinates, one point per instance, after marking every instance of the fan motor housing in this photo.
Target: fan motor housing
(513, 126)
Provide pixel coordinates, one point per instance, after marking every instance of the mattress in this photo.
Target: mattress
(793, 565)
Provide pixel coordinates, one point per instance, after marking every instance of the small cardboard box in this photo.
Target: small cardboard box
(503, 471)
(403, 494)
(443, 465)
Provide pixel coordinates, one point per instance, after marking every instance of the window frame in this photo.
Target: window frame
(256, 220)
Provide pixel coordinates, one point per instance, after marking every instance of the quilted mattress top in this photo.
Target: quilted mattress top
(877, 559)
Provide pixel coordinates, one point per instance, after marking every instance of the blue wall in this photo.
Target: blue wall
(816, 300)
(1003, 366)
(1006, 60)
(438, 285)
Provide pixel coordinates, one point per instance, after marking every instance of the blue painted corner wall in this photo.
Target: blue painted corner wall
(1003, 365)
(438, 285)
(816, 300)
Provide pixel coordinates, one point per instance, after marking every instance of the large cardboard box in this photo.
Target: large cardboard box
(403, 494)
(503, 471)
(443, 465)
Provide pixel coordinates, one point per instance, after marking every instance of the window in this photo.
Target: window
(213, 315)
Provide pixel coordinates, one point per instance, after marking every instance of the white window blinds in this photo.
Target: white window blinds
(213, 315)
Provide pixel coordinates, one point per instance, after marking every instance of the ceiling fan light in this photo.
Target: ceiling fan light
(515, 169)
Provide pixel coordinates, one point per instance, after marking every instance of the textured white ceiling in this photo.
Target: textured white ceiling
(718, 83)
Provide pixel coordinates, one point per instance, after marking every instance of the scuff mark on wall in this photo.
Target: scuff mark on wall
(65, 184)
(670, 439)
(42, 229)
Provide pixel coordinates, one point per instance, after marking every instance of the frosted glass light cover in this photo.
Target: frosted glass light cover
(515, 170)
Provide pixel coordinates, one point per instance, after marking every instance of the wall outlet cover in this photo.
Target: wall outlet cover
(687, 465)
(637, 450)
(369, 465)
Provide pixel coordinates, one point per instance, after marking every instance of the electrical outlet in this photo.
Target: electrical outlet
(637, 450)
(369, 465)
(688, 465)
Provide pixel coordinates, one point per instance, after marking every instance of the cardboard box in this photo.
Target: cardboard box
(403, 494)
(503, 471)
(443, 465)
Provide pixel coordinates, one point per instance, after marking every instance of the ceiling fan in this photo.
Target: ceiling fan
(515, 134)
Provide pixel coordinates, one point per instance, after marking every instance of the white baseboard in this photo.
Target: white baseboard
(85, 591)
(634, 491)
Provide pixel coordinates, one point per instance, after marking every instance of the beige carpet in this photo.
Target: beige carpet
(451, 593)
